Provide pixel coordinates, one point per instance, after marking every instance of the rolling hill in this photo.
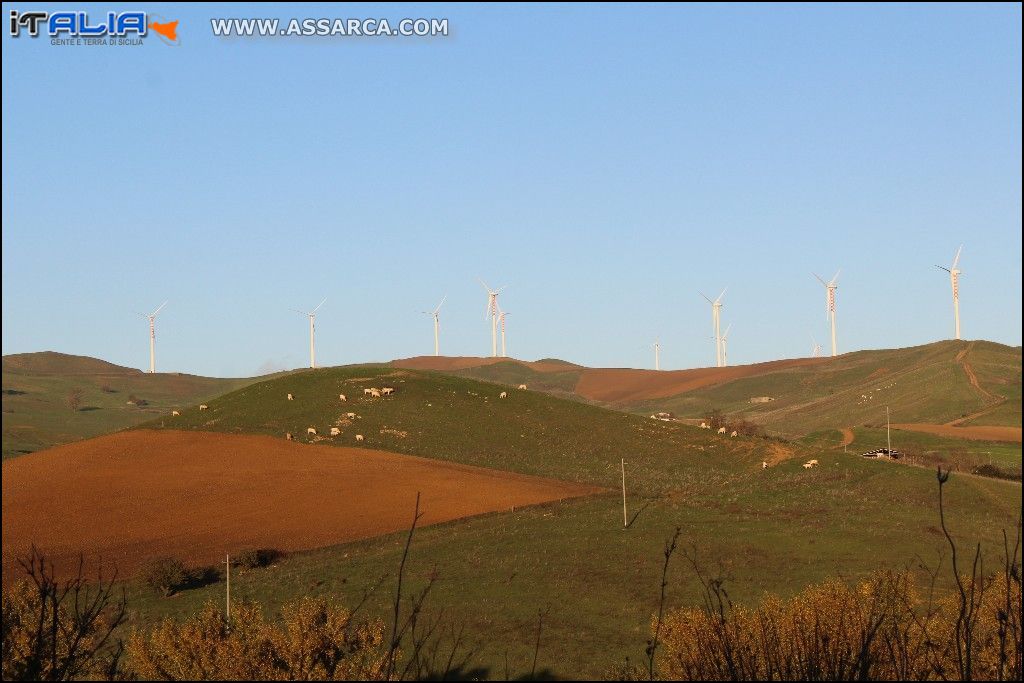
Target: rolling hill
(37, 387)
(965, 383)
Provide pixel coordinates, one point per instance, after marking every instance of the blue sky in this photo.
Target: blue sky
(605, 163)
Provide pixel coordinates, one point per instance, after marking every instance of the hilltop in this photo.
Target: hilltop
(964, 383)
(37, 388)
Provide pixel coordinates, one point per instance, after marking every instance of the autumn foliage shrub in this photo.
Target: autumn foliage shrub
(314, 640)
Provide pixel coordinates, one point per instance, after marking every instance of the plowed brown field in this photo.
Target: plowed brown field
(978, 433)
(133, 496)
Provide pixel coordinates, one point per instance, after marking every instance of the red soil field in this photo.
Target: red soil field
(133, 496)
(977, 433)
(613, 385)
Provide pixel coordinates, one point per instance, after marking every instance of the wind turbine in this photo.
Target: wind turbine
(716, 321)
(436, 315)
(954, 280)
(152, 336)
(312, 332)
(816, 348)
(725, 348)
(501, 317)
(657, 355)
(492, 311)
(830, 305)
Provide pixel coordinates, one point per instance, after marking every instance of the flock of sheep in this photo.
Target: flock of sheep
(721, 430)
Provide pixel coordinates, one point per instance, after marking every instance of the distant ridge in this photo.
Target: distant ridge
(56, 363)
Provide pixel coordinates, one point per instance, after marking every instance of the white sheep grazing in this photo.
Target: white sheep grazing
(733, 433)
(350, 416)
(175, 413)
(335, 431)
(311, 431)
(359, 437)
(764, 464)
(503, 394)
(290, 397)
(808, 465)
(203, 406)
(288, 436)
(703, 425)
(375, 393)
(387, 391)
(812, 462)
(522, 386)
(341, 397)
(721, 430)
(367, 392)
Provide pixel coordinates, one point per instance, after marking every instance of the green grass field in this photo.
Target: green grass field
(36, 388)
(765, 530)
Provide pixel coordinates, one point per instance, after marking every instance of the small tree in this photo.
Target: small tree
(715, 419)
(74, 399)
(167, 575)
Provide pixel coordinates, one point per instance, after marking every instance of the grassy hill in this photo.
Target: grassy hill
(37, 386)
(597, 584)
(973, 383)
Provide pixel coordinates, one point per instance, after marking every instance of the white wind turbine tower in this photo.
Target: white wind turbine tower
(657, 355)
(716, 321)
(312, 331)
(830, 305)
(725, 348)
(436, 315)
(152, 336)
(492, 312)
(501, 317)
(954, 280)
(816, 348)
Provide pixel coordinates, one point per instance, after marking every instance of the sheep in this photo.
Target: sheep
(812, 462)
(175, 413)
(522, 386)
(341, 397)
(704, 425)
(359, 437)
(734, 433)
(375, 393)
(764, 464)
(203, 406)
(350, 416)
(290, 397)
(721, 430)
(808, 465)
(311, 431)
(503, 394)
(288, 436)
(367, 392)
(335, 431)
(387, 391)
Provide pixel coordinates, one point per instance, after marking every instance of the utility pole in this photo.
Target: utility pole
(888, 438)
(625, 520)
(227, 597)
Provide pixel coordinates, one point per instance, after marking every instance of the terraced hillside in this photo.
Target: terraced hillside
(37, 388)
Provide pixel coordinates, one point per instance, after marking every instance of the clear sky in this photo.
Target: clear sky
(605, 163)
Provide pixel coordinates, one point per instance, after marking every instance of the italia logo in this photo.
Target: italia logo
(81, 25)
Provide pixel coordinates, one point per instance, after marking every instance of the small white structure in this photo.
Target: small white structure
(335, 431)
(203, 406)
(175, 413)
(311, 431)
(522, 386)
(290, 397)
(359, 437)
(387, 391)
(503, 394)
(341, 397)
(721, 430)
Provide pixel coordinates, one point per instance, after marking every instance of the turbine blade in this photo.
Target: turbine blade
(835, 277)
(485, 285)
(706, 298)
(956, 259)
(819, 279)
(943, 268)
(318, 306)
(160, 309)
(721, 295)
(443, 299)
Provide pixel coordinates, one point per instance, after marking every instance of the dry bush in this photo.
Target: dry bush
(316, 640)
(60, 630)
